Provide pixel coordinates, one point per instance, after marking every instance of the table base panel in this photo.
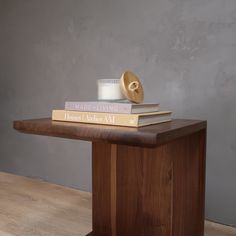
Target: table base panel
(90, 234)
(149, 191)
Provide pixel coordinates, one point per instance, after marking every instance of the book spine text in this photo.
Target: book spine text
(95, 118)
(98, 107)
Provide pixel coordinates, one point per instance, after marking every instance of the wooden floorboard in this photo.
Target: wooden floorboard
(30, 207)
(214, 229)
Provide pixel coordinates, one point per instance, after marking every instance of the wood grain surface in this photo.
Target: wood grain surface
(144, 191)
(101, 183)
(34, 208)
(151, 135)
(189, 155)
(31, 207)
(156, 191)
(146, 181)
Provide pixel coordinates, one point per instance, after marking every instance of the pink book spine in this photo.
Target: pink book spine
(99, 107)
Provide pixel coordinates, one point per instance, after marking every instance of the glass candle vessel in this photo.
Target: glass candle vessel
(109, 89)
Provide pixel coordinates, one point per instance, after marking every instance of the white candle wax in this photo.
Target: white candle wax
(109, 89)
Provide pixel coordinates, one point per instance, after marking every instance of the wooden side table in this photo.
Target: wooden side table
(147, 181)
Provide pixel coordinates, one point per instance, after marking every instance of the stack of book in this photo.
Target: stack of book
(112, 113)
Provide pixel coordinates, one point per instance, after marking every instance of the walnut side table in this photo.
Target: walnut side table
(147, 181)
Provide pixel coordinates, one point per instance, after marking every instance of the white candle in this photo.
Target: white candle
(109, 89)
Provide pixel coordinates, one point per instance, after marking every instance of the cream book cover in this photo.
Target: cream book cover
(130, 120)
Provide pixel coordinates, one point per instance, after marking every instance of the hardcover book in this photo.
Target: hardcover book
(112, 107)
(130, 120)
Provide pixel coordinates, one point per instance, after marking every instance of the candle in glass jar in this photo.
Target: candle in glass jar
(109, 89)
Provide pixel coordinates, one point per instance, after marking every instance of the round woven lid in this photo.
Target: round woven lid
(131, 87)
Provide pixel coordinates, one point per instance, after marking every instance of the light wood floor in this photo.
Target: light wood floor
(30, 207)
(34, 208)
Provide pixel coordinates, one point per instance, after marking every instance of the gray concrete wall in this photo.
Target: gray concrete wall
(54, 50)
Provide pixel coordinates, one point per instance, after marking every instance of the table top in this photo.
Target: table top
(150, 135)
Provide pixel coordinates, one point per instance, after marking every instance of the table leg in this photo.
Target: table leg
(140, 191)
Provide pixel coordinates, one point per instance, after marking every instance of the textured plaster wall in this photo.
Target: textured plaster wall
(54, 50)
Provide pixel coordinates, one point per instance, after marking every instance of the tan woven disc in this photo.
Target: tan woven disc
(131, 87)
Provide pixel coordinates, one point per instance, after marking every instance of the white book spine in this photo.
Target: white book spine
(99, 107)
